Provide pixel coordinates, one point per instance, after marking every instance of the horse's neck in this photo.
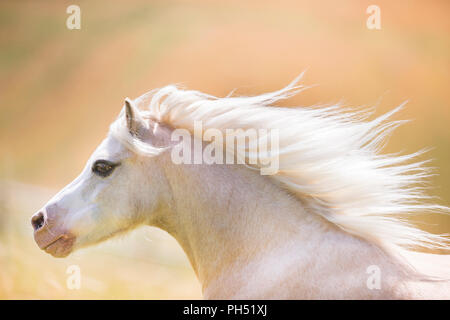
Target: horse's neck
(237, 228)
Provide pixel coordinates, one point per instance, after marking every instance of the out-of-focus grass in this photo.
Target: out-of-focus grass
(60, 89)
(147, 264)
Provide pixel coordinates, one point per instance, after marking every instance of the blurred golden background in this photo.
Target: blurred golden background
(60, 89)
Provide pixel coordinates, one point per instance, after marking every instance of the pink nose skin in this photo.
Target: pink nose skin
(49, 234)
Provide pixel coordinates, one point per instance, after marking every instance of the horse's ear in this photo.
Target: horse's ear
(133, 117)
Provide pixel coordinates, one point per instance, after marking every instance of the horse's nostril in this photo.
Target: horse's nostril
(37, 221)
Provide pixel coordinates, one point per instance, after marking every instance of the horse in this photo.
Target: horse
(326, 223)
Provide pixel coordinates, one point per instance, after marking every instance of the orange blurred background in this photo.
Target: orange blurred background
(60, 89)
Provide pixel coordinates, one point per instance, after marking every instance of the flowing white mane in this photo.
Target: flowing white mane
(329, 157)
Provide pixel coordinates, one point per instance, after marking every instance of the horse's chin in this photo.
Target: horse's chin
(61, 247)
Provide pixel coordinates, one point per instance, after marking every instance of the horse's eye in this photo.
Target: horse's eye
(103, 168)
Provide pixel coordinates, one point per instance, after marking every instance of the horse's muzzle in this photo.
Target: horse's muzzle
(49, 237)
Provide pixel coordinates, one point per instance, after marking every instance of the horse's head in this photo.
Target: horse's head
(111, 195)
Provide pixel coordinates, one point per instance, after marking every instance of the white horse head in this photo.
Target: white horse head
(108, 196)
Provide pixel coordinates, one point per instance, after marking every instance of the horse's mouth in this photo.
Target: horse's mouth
(60, 246)
(52, 242)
